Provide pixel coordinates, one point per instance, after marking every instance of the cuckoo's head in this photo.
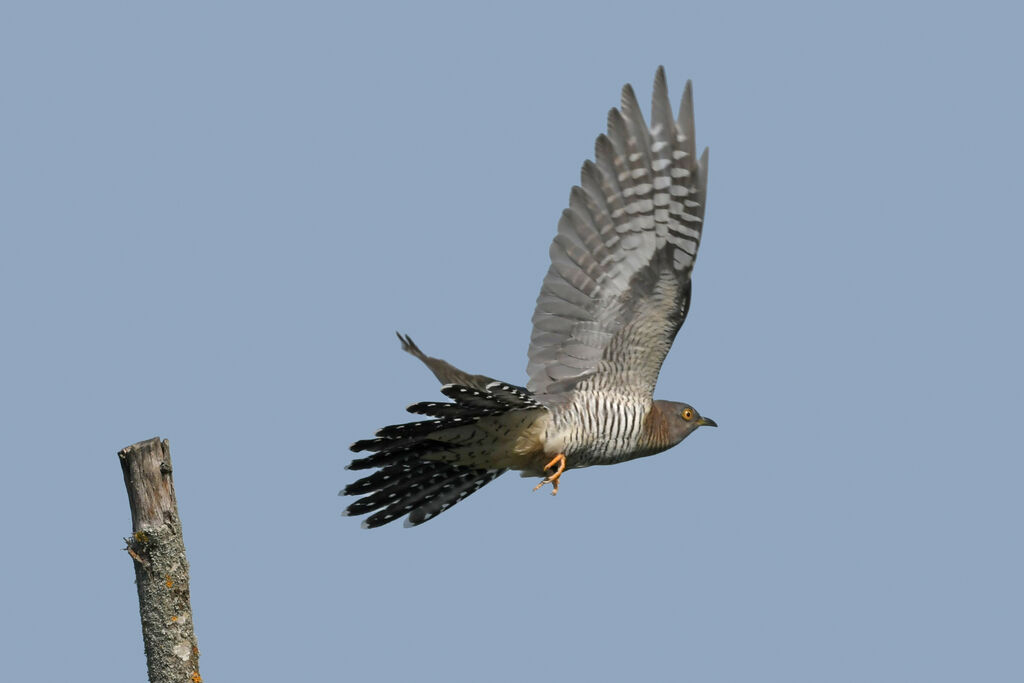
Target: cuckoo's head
(682, 419)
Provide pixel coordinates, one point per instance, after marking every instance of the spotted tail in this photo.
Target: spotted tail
(426, 467)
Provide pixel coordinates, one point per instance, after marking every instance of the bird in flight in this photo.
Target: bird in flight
(616, 294)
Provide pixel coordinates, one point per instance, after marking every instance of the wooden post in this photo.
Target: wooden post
(161, 569)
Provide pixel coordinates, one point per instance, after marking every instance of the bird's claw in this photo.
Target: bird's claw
(552, 479)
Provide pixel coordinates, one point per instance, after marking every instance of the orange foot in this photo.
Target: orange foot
(553, 478)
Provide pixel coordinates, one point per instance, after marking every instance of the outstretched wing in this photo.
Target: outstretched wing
(618, 288)
(445, 372)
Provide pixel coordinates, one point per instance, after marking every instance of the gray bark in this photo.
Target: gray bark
(161, 569)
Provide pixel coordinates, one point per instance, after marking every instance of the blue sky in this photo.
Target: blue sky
(214, 218)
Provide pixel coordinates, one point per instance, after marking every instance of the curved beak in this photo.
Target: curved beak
(706, 422)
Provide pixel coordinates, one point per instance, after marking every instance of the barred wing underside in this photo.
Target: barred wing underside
(618, 288)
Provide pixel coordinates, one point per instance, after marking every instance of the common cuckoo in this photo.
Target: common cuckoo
(616, 294)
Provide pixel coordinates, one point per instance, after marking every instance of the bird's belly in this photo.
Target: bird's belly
(590, 433)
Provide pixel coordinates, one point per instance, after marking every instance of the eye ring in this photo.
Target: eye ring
(687, 414)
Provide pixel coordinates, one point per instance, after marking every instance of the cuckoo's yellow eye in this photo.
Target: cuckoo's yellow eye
(687, 414)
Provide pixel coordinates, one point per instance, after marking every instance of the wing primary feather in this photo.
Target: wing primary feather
(686, 121)
(639, 140)
(702, 184)
(661, 111)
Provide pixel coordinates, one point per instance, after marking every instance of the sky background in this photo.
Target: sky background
(214, 217)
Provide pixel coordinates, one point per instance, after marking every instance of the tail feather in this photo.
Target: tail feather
(442, 489)
(411, 430)
(435, 409)
(396, 454)
(380, 444)
(427, 467)
(392, 487)
(466, 484)
(470, 405)
(511, 394)
(388, 476)
(474, 398)
(469, 402)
